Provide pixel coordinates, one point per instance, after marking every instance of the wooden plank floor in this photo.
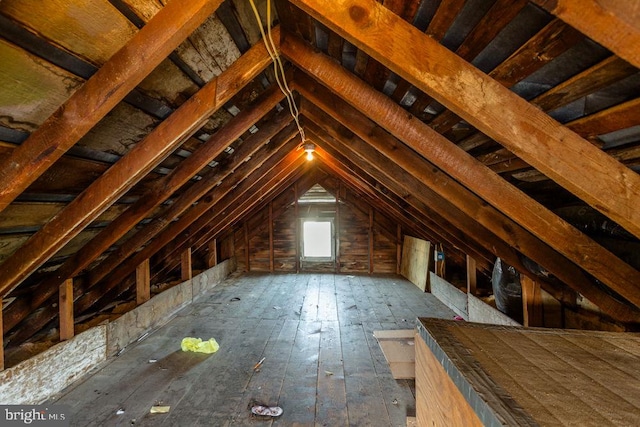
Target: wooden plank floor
(322, 364)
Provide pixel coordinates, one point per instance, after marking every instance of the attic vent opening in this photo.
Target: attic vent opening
(317, 194)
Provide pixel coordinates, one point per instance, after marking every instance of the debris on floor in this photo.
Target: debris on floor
(266, 411)
(257, 366)
(159, 409)
(120, 411)
(199, 346)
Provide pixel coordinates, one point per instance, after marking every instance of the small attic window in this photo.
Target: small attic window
(317, 194)
(317, 240)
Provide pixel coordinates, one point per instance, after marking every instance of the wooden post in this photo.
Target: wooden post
(66, 310)
(271, 260)
(337, 241)
(143, 282)
(398, 248)
(531, 302)
(1, 337)
(371, 240)
(471, 276)
(185, 265)
(212, 259)
(297, 237)
(247, 267)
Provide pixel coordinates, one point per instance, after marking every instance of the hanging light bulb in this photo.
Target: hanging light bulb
(309, 148)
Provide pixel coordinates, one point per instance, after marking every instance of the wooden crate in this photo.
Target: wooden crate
(470, 374)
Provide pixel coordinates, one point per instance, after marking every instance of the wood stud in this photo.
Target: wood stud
(185, 265)
(66, 310)
(143, 282)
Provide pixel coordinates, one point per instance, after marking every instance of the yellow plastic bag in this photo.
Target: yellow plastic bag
(199, 346)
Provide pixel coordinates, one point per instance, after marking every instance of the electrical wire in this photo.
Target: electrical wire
(278, 68)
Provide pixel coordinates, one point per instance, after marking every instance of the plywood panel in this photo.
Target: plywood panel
(481, 312)
(415, 261)
(398, 349)
(451, 296)
(539, 376)
(438, 400)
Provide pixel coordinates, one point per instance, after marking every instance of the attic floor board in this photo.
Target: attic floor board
(322, 364)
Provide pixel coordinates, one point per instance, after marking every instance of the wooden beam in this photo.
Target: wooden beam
(398, 248)
(338, 229)
(165, 186)
(196, 217)
(297, 215)
(143, 282)
(449, 197)
(65, 301)
(1, 335)
(243, 207)
(235, 207)
(455, 230)
(467, 170)
(252, 146)
(370, 237)
(108, 86)
(532, 135)
(212, 258)
(186, 271)
(471, 276)
(533, 314)
(123, 175)
(613, 24)
(271, 260)
(241, 201)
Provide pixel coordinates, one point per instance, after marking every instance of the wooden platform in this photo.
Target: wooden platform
(322, 364)
(471, 374)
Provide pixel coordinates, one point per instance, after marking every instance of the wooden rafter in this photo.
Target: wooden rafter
(613, 24)
(193, 220)
(131, 168)
(108, 86)
(468, 171)
(480, 223)
(435, 224)
(532, 135)
(164, 187)
(266, 183)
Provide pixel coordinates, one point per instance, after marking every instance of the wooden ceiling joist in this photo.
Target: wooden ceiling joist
(563, 156)
(468, 171)
(139, 161)
(108, 86)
